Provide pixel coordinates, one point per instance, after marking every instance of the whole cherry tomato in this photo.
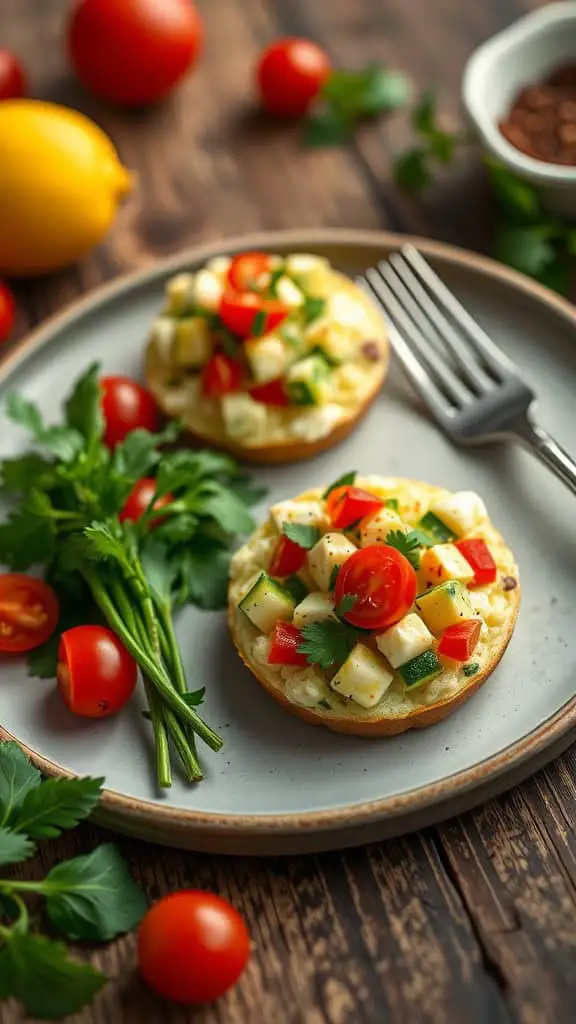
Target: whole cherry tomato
(290, 74)
(133, 52)
(383, 582)
(7, 311)
(126, 405)
(192, 946)
(140, 497)
(13, 83)
(28, 612)
(96, 674)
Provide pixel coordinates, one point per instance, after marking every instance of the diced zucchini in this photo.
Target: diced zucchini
(316, 607)
(267, 358)
(420, 670)
(244, 418)
(310, 272)
(405, 641)
(193, 343)
(329, 553)
(363, 678)
(436, 528)
(375, 528)
(180, 294)
(307, 381)
(461, 512)
(444, 605)
(444, 562)
(266, 602)
(309, 513)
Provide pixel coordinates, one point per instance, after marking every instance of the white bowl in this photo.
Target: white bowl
(523, 54)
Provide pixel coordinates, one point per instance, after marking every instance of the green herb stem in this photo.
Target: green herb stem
(162, 749)
(185, 750)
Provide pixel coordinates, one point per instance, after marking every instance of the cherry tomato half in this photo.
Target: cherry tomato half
(221, 375)
(133, 52)
(192, 946)
(384, 583)
(96, 674)
(7, 312)
(139, 498)
(28, 612)
(126, 406)
(241, 311)
(346, 505)
(272, 393)
(250, 271)
(13, 83)
(290, 74)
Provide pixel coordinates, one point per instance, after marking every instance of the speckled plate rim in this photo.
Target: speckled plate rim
(351, 823)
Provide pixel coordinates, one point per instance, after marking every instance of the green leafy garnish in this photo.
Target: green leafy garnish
(333, 577)
(349, 97)
(408, 544)
(55, 805)
(470, 669)
(258, 324)
(346, 604)
(13, 847)
(294, 586)
(343, 481)
(327, 643)
(301, 534)
(312, 308)
(393, 503)
(414, 168)
(37, 971)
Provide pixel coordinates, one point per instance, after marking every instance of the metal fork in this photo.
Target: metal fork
(473, 390)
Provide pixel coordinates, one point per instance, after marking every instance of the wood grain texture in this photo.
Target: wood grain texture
(470, 923)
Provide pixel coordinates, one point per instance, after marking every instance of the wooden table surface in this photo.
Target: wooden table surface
(473, 921)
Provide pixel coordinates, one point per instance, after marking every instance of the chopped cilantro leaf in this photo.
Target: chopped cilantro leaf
(258, 324)
(407, 544)
(333, 577)
(342, 481)
(471, 669)
(312, 308)
(327, 643)
(346, 604)
(301, 534)
(393, 503)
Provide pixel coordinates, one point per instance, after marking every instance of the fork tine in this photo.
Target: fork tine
(464, 354)
(494, 358)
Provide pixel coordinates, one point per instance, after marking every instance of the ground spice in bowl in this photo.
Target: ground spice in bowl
(541, 121)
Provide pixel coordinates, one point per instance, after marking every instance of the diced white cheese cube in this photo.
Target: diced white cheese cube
(193, 344)
(243, 417)
(310, 513)
(162, 336)
(267, 358)
(179, 293)
(330, 552)
(310, 271)
(289, 293)
(207, 290)
(363, 678)
(404, 641)
(444, 562)
(375, 528)
(480, 602)
(219, 265)
(316, 607)
(461, 512)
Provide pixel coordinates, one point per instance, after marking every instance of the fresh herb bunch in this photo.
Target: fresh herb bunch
(414, 168)
(88, 898)
(348, 97)
(71, 489)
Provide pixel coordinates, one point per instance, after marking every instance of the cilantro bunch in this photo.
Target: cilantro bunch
(88, 898)
(70, 490)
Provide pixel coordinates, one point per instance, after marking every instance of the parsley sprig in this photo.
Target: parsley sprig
(348, 97)
(408, 544)
(301, 534)
(71, 489)
(328, 642)
(88, 898)
(414, 168)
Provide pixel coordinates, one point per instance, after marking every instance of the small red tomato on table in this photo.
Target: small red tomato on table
(290, 74)
(7, 312)
(96, 674)
(13, 83)
(28, 612)
(126, 405)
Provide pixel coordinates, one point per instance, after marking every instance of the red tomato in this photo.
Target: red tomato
(478, 555)
(133, 52)
(287, 558)
(192, 946)
(28, 612)
(458, 641)
(140, 497)
(96, 674)
(221, 375)
(13, 83)
(239, 311)
(384, 583)
(286, 639)
(346, 505)
(290, 74)
(250, 271)
(272, 393)
(7, 311)
(126, 405)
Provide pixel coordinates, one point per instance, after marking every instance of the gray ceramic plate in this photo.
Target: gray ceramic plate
(280, 785)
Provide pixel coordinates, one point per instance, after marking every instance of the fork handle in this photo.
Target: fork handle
(548, 451)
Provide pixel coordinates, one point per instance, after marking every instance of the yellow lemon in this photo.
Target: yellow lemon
(60, 185)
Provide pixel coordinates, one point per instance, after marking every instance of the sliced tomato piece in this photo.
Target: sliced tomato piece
(272, 393)
(383, 583)
(287, 558)
(249, 314)
(459, 641)
(221, 376)
(478, 555)
(346, 505)
(250, 271)
(28, 612)
(286, 639)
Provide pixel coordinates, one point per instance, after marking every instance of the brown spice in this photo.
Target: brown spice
(542, 119)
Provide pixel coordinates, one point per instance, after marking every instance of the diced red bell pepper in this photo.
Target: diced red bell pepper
(250, 315)
(346, 505)
(458, 641)
(287, 558)
(272, 393)
(286, 639)
(477, 554)
(221, 376)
